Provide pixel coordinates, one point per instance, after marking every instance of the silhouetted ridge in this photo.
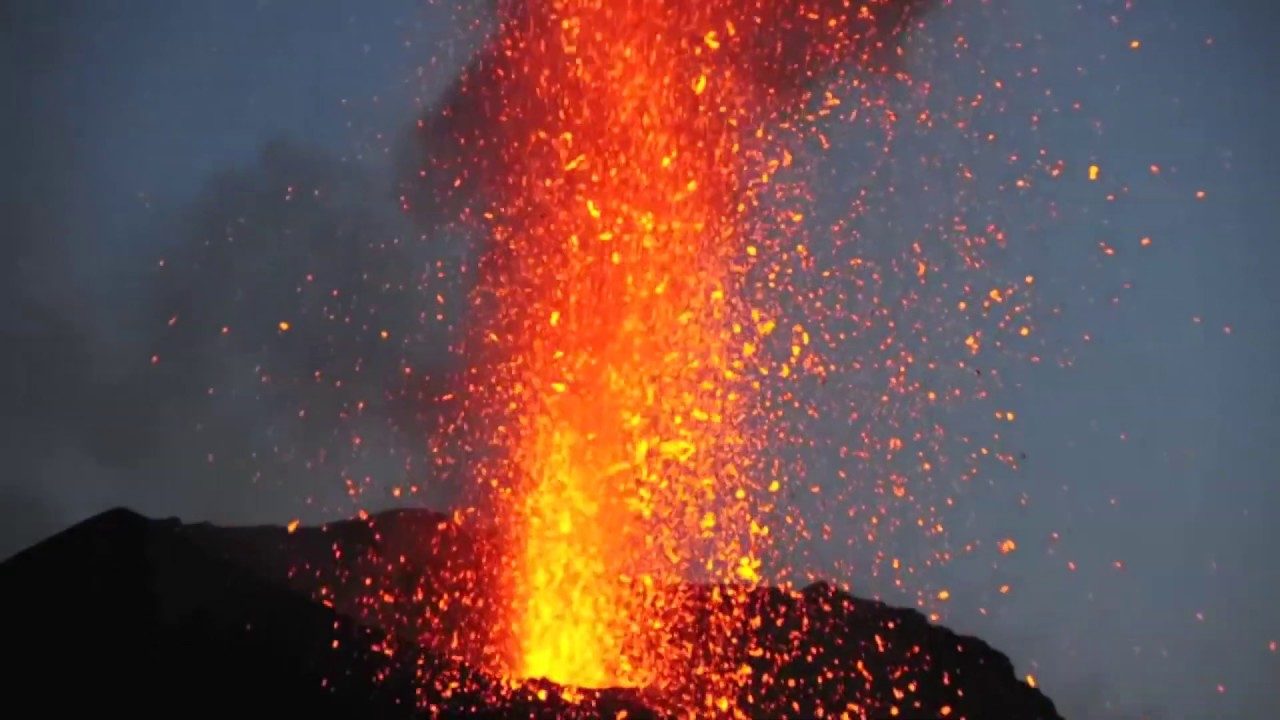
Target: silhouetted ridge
(153, 617)
(121, 614)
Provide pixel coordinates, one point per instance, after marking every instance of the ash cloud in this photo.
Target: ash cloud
(147, 217)
(178, 391)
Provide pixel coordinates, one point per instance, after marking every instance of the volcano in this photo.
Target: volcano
(148, 617)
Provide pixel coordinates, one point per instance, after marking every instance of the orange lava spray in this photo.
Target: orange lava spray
(631, 148)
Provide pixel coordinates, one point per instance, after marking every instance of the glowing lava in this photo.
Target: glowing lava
(628, 171)
(616, 307)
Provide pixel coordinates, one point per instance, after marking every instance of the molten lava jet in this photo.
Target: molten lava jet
(626, 154)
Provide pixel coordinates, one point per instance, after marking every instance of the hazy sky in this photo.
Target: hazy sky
(150, 129)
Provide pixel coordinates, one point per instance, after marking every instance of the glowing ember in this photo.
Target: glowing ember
(631, 170)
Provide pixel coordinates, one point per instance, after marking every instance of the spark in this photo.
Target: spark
(626, 404)
(668, 328)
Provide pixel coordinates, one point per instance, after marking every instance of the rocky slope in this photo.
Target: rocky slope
(123, 613)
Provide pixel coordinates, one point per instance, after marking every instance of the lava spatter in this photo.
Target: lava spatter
(634, 162)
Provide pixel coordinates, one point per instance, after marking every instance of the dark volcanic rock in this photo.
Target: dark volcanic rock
(122, 615)
(120, 612)
(152, 617)
(820, 652)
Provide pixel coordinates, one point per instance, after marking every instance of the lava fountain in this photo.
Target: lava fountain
(627, 151)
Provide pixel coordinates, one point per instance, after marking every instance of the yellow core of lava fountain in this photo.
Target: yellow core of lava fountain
(633, 149)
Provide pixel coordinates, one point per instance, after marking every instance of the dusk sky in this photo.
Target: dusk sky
(141, 133)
